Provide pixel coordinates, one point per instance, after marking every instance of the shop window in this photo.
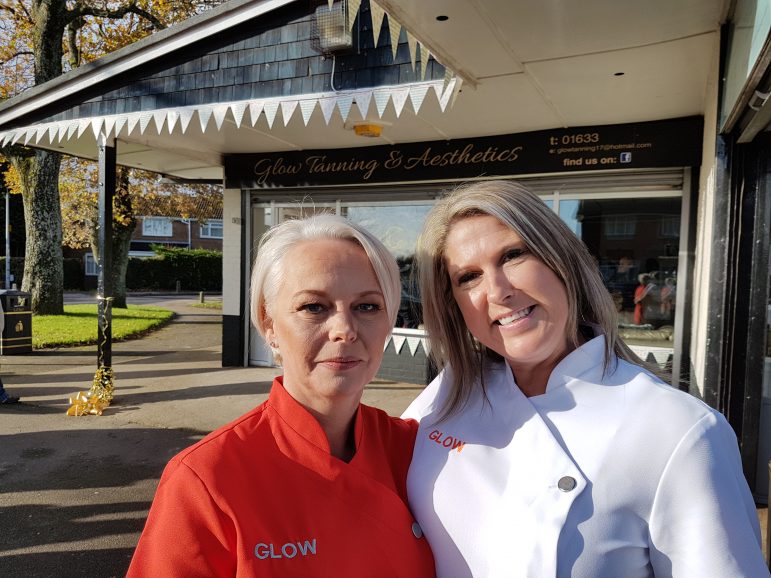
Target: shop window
(211, 229)
(156, 227)
(636, 244)
(398, 227)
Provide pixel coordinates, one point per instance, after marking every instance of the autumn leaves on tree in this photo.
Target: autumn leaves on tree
(39, 40)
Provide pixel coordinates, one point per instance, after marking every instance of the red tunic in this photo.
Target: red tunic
(263, 496)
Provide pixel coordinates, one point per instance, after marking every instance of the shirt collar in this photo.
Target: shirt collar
(586, 362)
(301, 421)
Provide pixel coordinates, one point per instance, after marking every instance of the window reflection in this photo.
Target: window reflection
(398, 227)
(636, 243)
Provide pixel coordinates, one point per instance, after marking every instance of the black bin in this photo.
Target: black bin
(17, 332)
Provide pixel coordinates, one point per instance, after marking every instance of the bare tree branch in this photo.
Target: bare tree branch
(80, 11)
(16, 54)
(19, 8)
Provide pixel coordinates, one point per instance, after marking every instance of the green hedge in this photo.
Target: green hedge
(73, 272)
(17, 270)
(195, 269)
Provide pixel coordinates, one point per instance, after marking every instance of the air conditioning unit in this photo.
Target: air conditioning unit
(330, 32)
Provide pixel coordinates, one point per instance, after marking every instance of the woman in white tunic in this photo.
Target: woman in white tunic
(546, 447)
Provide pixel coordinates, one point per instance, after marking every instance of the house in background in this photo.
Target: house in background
(170, 231)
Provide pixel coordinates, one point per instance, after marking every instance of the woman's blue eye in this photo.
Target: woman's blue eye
(312, 308)
(369, 307)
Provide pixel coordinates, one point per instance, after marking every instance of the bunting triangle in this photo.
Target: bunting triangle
(447, 79)
(413, 343)
(62, 131)
(6, 137)
(238, 109)
(353, 10)
(377, 19)
(417, 94)
(132, 122)
(399, 97)
(344, 104)
(362, 102)
(412, 44)
(287, 110)
(171, 120)
(306, 108)
(456, 90)
(120, 122)
(109, 124)
(159, 116)
(424, 63)
(82, 125)
(71, 129)
(220, 111)
(255, 108)
(398, 342)
(446, 95)
(39, 132)
(381, 100)
(185, 116)
(144, 121)
(327, 106)
(394, 30)
(270, 109)
(53, 130)
(204, 114)
(20, 133)
(29, 135)
(96, 126)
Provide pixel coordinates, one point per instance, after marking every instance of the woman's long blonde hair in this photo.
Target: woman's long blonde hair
(548, 238)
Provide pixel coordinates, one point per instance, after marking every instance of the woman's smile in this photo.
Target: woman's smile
(510, 300)
(509, 319)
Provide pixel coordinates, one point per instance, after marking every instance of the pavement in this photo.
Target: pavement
(75, 491)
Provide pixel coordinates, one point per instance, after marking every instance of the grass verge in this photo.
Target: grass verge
(78, 325)
(209, 305)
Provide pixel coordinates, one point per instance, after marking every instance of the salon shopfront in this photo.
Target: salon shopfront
(624, 189)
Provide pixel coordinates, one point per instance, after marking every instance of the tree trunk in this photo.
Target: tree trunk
(39, 172)
(121, 242)
(43, 265)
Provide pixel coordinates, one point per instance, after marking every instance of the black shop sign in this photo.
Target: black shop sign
(666, 143)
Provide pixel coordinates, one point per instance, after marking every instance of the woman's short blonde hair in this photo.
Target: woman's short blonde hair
(547, 237)
(269, 265)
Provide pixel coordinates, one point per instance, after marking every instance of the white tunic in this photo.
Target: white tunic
(615, 476)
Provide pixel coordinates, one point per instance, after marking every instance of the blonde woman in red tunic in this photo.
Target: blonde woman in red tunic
(311, 482)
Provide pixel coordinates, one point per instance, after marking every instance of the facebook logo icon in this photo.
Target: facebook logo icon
(625, 157)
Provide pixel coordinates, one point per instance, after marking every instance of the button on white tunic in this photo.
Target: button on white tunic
(602, 476)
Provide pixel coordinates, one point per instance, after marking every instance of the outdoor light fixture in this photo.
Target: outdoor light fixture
(330, 28)
(369, 129)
